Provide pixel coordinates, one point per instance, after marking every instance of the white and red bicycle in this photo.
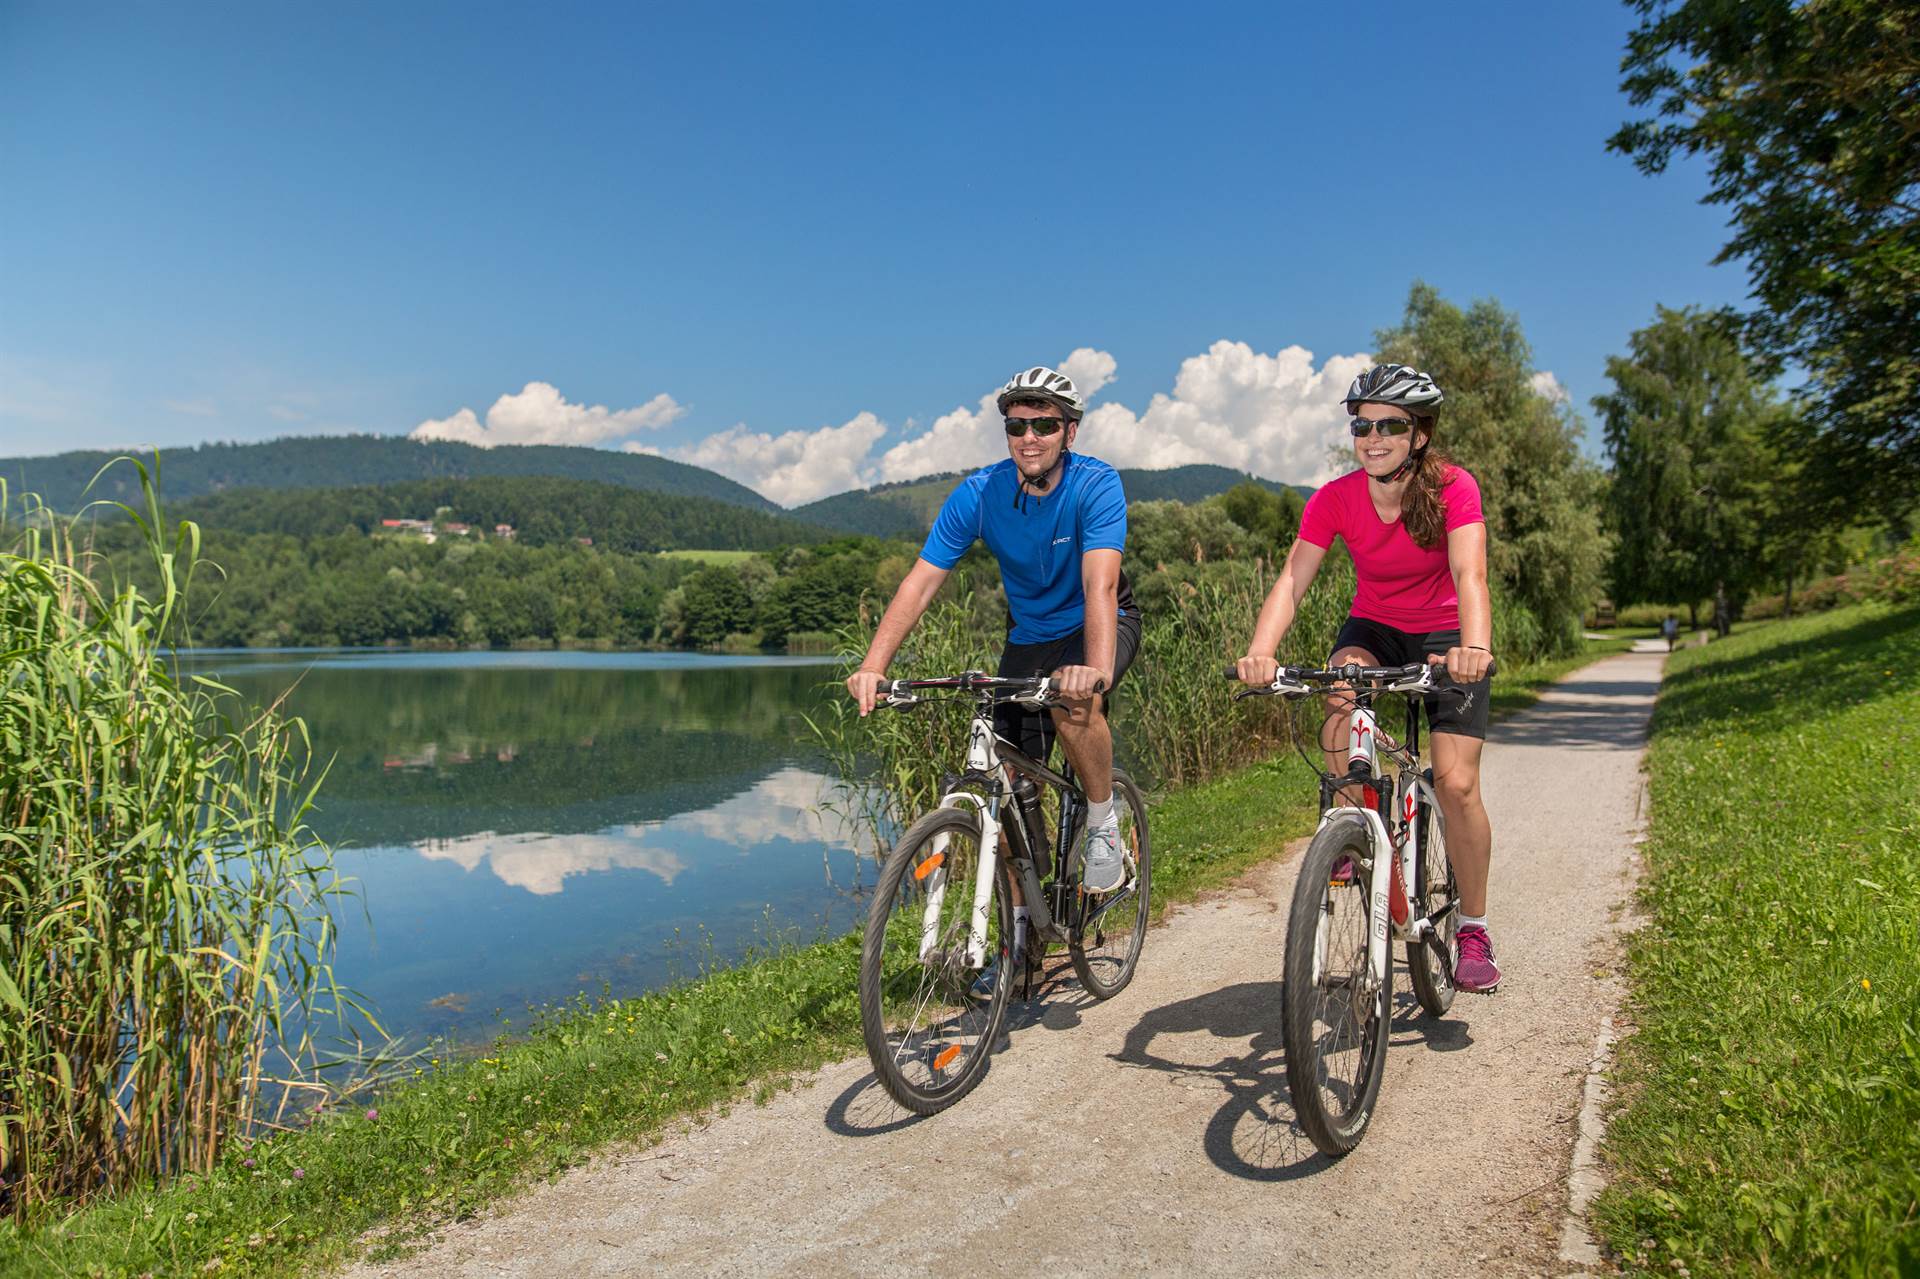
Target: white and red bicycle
(1377, 870)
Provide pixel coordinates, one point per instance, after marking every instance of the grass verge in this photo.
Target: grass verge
(584, 1077)
(1773, 1117)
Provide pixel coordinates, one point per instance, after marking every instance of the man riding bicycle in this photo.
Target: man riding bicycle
(1056, 521)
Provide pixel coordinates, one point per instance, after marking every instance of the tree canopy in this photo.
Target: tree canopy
(1809, 118)
(1695, 435)
(1542, 499)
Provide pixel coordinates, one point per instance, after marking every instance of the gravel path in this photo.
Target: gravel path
(1154, 1132)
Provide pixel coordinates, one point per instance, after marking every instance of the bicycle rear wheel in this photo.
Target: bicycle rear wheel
(1105, 947)
(1335, 1028)
(1435, 887)
(927, 1034)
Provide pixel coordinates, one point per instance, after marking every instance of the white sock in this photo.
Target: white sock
(1101, 814)
(1474, 921)
(1021, 917)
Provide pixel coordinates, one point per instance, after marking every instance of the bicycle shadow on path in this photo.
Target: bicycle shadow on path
(1256, 1134)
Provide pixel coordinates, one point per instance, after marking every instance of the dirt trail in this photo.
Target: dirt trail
(1154, 1132)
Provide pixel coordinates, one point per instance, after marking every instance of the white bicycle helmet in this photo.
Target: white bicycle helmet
(1397, 384)
(1043, 383)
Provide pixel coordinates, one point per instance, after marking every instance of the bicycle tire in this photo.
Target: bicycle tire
(928, 1037)
(1330, 993)
(1105, 966)
(1435, 886)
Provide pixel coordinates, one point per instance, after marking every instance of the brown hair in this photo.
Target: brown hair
(1421, 508)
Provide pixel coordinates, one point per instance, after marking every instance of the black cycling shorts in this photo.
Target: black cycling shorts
(1031, 730)
(1391, 646)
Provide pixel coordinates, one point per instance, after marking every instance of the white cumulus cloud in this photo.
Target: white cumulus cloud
(1272, 415)
(1548, 387)
(539, 414)
(794, 467)
(966, 438)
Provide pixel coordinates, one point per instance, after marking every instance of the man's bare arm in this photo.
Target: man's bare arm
(908, 603)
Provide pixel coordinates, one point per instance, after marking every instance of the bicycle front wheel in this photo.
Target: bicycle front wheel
(1435, 885)
(1105, 946)
(928, 1033)
(1335, 1026)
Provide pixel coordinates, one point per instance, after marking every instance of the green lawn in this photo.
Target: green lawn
(471, 1130)
(1771, 1122)
(710, 557)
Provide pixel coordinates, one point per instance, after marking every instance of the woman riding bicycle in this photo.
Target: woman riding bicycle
(1412, 522)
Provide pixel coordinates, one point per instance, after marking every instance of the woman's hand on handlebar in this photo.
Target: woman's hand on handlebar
(1465, 665)
(1256, 672)
(865, 688)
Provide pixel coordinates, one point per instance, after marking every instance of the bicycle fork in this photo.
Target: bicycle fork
(980, 760)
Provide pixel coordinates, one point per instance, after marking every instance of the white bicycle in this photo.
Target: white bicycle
(1374, 871)
(943, 908)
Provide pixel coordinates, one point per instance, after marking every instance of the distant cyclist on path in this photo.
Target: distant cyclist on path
(1412, 522)
(1056, 521)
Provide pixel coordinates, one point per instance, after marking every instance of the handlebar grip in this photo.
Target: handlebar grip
(1231, 672)
(884, 688)
(1099, 686)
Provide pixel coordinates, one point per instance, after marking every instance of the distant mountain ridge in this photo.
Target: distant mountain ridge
(541, 510)
(901, 509)
(906, 508)
(341, 461)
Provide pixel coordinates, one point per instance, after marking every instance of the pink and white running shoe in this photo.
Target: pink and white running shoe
(1475, 970)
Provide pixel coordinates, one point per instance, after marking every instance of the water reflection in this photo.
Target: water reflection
(784, 806)
(526, 825)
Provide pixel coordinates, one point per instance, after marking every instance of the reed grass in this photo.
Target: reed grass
(164, 911)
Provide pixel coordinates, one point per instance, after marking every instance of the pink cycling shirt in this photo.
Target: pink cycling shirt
(1400, 584)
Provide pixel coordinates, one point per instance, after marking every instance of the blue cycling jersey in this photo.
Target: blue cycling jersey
(1038, 539)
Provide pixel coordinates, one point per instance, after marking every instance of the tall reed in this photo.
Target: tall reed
(1175, 712)
(164, 911)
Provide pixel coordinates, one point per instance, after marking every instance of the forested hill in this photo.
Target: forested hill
(542, 511)
(906, 509)
(334, 461)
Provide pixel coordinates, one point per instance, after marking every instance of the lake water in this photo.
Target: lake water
(524, 826)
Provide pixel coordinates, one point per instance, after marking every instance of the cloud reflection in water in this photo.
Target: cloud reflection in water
(782, 805)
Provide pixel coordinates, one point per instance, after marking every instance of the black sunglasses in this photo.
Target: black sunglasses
(1360, 427)
(1043, 426)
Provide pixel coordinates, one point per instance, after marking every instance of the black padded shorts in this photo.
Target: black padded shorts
(1032, 731)
(1391, 646)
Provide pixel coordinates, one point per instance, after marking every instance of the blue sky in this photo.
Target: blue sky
(798, 243)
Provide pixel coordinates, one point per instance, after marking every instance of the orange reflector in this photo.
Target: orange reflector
(928, 866)
(947, 1054)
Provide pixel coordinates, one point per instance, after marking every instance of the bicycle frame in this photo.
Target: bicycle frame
(1366, 743)
(983, 759)
(983, 787)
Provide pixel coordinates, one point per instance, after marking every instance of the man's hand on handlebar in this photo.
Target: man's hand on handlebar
(865, 687)
(1079, 683)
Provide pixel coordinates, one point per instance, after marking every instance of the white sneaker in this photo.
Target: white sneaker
(1103, 867)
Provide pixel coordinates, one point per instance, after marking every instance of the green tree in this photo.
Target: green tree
(1177, 533)
(1272, 518)
(1692, 431)
(714, 604)
(1809, 116)
(1545, 550)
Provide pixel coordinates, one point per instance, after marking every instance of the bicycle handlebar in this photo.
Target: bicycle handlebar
(1413, 677)
(1022, 688)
